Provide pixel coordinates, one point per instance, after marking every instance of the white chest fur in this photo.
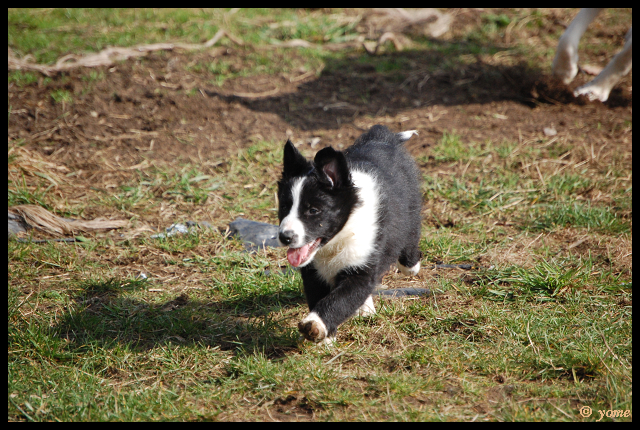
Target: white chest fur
(354, 245)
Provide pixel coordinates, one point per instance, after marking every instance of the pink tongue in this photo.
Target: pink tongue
(298, 255)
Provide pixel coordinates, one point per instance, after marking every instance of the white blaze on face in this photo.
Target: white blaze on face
(292, 221)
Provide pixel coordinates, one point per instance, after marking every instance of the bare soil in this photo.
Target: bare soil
(156, 109)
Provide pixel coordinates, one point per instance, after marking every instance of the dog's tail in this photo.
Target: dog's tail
(406, 135)
(381, 133)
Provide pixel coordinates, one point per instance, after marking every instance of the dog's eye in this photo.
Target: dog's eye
(313, 211)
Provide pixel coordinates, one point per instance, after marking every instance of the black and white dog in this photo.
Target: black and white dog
(347, 217)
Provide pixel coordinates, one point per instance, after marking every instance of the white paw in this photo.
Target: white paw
(593, 92)
(409, 271)
(328, 341)
(312, 328)
(367, 309)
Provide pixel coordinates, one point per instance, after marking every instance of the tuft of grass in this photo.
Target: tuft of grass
(61, 96)
(542, 282)
(547, 217)
(22, 78)
(21, 194)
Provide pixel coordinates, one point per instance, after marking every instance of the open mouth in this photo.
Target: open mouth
(298, 256)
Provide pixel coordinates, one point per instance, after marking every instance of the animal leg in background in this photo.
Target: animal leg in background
(565, 63)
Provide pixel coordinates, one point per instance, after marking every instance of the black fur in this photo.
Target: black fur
(333, 198)
(328, 199)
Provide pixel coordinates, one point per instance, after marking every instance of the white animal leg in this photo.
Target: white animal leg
(565, 63)
(409, 271)
(367, 309)
(601, 86)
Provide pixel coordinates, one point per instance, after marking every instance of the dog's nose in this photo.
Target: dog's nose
(287, 236)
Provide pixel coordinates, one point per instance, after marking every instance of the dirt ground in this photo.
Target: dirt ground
(155, 109)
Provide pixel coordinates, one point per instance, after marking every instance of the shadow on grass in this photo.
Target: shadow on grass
(451, 73)
(105, 316)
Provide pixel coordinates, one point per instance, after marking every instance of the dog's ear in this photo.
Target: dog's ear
(294, 162)
(332, 167)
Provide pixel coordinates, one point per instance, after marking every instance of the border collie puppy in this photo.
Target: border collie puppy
(346, 218)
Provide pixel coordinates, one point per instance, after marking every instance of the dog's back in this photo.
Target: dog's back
(381, 154)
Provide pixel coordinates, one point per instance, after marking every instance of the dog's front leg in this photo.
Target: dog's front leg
(351, 291)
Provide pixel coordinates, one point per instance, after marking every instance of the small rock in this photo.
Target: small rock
(401, 292)
(205, 224)
(255, 234)
(16, 224)
(550, 131)
(172, 231)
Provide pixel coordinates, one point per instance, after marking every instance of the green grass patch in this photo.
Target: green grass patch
(547, 217)
(61, 96)
(19, 193)
(22, 78)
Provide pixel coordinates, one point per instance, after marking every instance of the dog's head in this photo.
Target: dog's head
(315, 200)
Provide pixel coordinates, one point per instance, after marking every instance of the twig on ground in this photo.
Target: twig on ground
(108, 56)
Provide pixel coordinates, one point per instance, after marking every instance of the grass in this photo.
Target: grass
(548, 217)
(22, 78)
(48, 34)
(227, 348)
(20, 194)
(540, 329)
(115, 332)
(61, 96)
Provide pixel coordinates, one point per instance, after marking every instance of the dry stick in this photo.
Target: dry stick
(386, 36)
(257, 95)
(614, 354)
(533, 241)
(566, 414)
(107, 56)
(42, 219)
(530, 341)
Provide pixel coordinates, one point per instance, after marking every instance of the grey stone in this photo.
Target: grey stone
(256, 235)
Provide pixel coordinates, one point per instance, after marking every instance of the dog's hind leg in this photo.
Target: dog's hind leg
(368, 309)
(409, 270)
(409, 260)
